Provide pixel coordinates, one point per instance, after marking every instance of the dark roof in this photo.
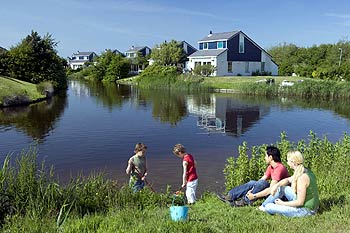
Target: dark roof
(219, 36)
(2, 48)
(207, 53)
(82, 53)
(135, 49)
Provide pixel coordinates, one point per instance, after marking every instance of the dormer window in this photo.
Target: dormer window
(205, 45)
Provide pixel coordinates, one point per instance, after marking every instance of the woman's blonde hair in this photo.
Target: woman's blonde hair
(298, 159)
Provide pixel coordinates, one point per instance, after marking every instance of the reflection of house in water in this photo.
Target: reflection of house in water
(226, 114)
(79, 89)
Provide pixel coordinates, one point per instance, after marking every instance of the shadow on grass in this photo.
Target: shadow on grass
(327, 204)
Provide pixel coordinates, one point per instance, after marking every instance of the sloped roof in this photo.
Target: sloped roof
(82, 53)
(219, 36)
(207, 53)
(135, 49)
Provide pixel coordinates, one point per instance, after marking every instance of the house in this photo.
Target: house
(80, 58)
(232, 53)
(188, 49)
(2, 50)
(133, 53)
(117, 52)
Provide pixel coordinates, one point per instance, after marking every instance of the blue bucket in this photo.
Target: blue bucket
(178, 213)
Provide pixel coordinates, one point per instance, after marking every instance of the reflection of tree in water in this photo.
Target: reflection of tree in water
(168, 106)
(37, 119)
(109, 94)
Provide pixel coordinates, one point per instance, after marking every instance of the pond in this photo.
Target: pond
(94, 127)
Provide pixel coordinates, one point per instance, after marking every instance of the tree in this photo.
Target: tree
(168, 53)
(35, 60)
(110, 67)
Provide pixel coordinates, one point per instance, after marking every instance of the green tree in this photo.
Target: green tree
(109, 67)
(35, 60)
(118, 68)
(204, 70)
(168, 53)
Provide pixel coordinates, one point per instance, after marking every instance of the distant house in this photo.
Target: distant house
(116, 51)
(232, 53)
(133, 53)
(189, 49)
(2, 50)
(80, 58)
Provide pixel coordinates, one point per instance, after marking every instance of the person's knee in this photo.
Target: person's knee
(269, 208)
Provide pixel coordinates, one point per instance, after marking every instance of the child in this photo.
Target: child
(137, 168)
(189, 177)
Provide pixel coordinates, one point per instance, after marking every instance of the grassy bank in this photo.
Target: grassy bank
(33, 200)
(12, 90)
(249, 85)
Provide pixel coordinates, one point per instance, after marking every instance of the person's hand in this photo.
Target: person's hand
(183, 185)
(144, 176)
(279, 202)
(250, 195)
(273, 189)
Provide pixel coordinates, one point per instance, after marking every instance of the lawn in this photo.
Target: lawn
(11, 87)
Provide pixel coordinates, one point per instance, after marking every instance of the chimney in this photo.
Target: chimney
(210, 33)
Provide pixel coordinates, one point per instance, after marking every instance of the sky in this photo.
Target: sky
(96, 25)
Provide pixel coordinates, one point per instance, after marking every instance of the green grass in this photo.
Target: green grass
(14, 87)
(96, 204)
(236, 82)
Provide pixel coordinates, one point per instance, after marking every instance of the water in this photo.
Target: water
(94, 127)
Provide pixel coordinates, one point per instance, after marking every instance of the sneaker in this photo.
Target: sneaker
(240, 203)
(223, 198)
(261, 208)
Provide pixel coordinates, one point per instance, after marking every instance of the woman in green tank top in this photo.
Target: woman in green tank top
(302, 195)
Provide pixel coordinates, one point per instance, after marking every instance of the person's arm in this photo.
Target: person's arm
(264, 177)
(262, 193)
(303, 183)
(283, 182)
(129, 167)
(184, 176)
(146, 169)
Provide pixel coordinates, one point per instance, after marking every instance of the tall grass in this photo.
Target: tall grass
(97, 204)
(329, 162)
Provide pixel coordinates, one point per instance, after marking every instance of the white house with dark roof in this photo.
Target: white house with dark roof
(80, 58)
(132, 53)
(188, 49)
(232, 53)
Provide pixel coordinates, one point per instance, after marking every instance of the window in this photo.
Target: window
(200, 46)
(212, 45)
(197, 63)
(241, 43)
(247, 67)
(205, 46)
(81, 57)
(220, 44)
(207, 63)
(262, 67)
(229, 66)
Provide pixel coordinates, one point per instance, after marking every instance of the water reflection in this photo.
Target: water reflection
(96, 125)
(224, 114)
(36, 120)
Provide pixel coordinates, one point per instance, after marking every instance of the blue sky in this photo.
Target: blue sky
(95, 25)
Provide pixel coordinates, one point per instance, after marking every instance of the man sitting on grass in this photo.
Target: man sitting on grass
(253, 190)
